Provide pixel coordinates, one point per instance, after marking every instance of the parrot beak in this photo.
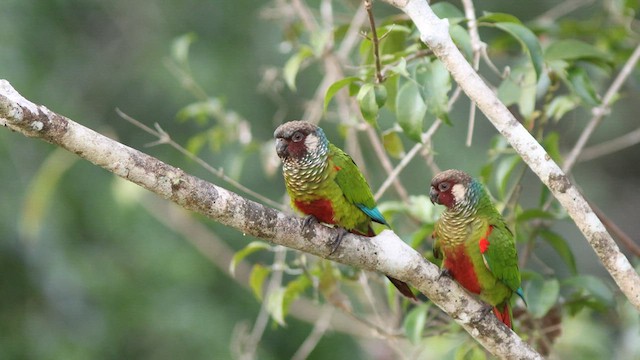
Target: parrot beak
(281, 147)
(433, 195)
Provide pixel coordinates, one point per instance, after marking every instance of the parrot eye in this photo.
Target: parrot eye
(443, 186)
(297, 136)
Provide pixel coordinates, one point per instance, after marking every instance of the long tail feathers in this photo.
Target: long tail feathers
(402, 287)
(504, 315)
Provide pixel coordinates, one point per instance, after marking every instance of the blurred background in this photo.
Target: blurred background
(90, 267)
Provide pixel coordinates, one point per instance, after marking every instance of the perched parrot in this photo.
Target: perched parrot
(324, 183)
(472, 238)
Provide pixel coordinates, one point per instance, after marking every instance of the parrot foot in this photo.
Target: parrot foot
(445, 273)
(486, 310)
(338, 239)
(309, 220)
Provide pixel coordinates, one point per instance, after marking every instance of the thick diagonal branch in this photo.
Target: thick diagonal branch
(385, 253)
(435, 33)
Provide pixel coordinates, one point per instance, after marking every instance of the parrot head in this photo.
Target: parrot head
(300, 141)
(452, 188)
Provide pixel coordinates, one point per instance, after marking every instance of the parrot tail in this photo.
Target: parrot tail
(402, 287)
(504, 315)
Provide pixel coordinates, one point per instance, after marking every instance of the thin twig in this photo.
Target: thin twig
(426, 138)
(375, 40)
(164, 138)
(609, 147)
(316, 334)
(186, 79)
(393, 175)
(617, 232)
(476, 47)
(249, 352)
(563, 8)
(600, 111)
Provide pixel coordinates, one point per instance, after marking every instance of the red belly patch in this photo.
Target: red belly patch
(321, 209)
(461, 268)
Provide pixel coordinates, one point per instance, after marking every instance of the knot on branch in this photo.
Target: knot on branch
(559, 182)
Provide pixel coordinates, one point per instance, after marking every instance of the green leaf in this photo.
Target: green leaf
(503, 172)
(391, 83)
(415, 321)
(393, 43)
(560, 245)
(292, 66)
(246, 251)
(294, 289)
(197, 142)
(560, 105)
(541, 295)
(534, 213)
(275, 305)
(583, 87)
(462, 39)
(470, 351)
(380, 92)
(447, 10)
(256, 279)
(41, 193)
(393, 144)
(574, 50)
(368, 105)
(520, 88)
(528, 40)
(593, 286)
(551, 144)
(492, 17)
(401, 68)
(410, 110)
(180, 48)
(335, 87)
(435, 83)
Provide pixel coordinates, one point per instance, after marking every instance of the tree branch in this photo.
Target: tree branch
(435, 33)
(385, 253)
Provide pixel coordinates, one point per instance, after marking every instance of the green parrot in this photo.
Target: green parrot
(324, 183)
(472, 238)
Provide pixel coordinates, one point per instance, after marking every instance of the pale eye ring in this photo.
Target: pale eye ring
(297, 136)
(444, 186)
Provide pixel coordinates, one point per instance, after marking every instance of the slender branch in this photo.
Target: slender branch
(600, 111)
(426, 138)
(165, 138)
(386, 253)
(251, 346)
(375, 40)
(611, 146)
(631, 245)
(476, 47)
(435, 33)
(561, 9)
(318, 331)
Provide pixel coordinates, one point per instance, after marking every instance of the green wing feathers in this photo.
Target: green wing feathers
(500, 255)
(353, 184)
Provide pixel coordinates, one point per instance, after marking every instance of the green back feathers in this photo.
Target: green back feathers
(353, 184)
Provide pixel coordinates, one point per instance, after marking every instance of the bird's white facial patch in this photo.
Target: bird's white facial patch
(458, 191)
(311, 142)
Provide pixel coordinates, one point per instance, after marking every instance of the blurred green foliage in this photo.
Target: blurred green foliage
(89, 272)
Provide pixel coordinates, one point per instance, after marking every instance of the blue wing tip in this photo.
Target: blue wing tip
(374, 214)
(520, 293)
